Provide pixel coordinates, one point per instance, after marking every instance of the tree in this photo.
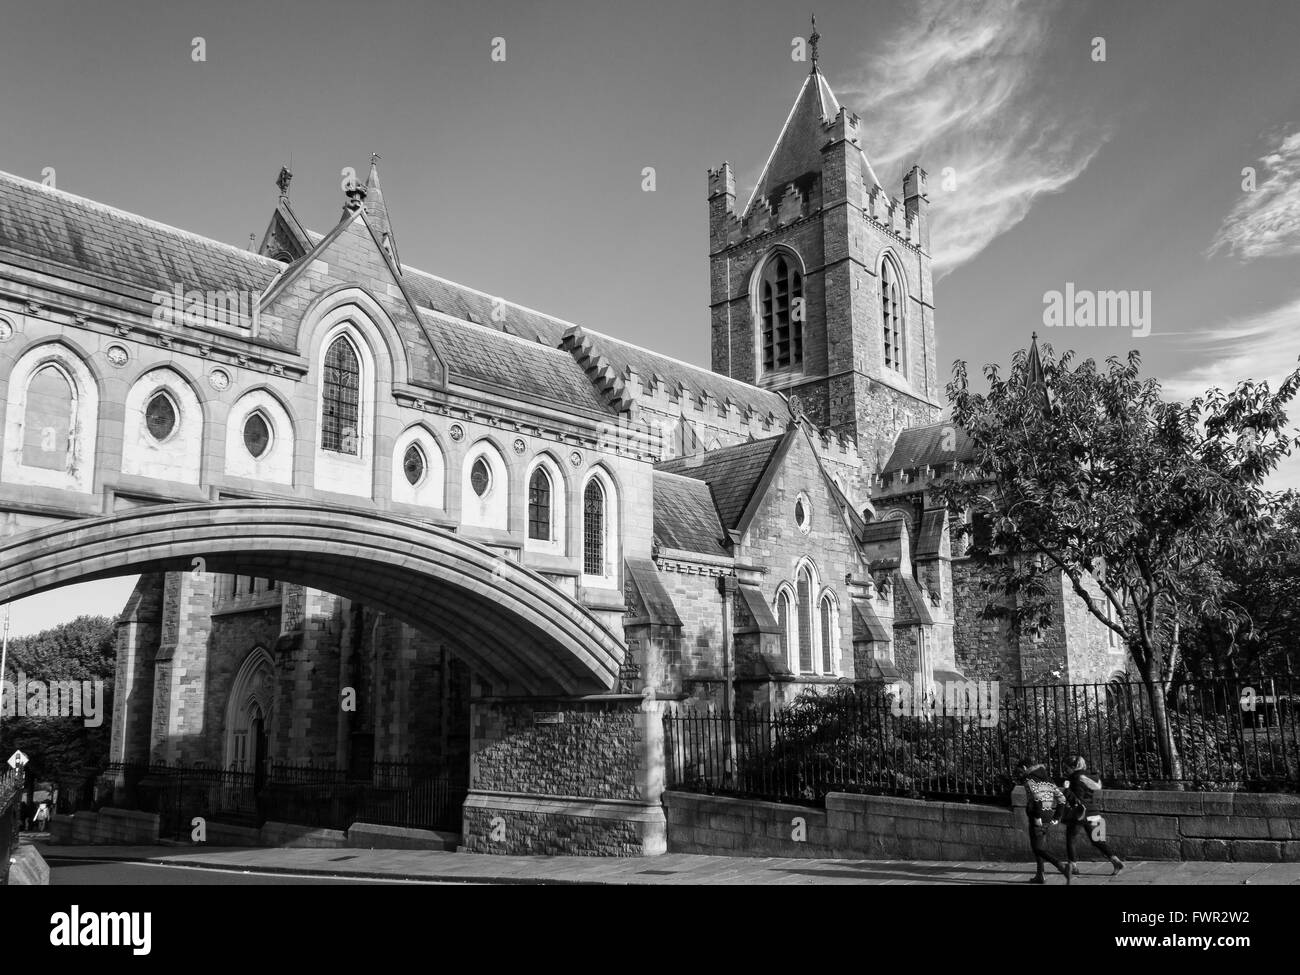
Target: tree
(1259, 628)
(62, 749)
(1135, 502)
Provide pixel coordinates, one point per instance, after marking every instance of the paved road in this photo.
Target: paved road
(95, 873)
(671, 868)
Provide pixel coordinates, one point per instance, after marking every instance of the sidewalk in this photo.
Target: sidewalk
(672, 868)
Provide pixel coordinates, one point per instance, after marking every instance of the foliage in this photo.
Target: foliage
(1088, 475)
(1259, 628)
(62, 750)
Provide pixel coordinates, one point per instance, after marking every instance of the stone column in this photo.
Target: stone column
(180, 672)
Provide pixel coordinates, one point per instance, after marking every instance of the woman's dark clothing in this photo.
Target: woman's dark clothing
(1076, 816)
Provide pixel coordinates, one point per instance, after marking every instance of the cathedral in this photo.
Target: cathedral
(751, 531)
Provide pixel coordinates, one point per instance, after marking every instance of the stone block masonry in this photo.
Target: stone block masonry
(1139, 825)
(565, 777)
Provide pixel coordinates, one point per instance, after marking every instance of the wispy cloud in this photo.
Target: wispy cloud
(1266, 221)
(966, 86)
(1263, 346)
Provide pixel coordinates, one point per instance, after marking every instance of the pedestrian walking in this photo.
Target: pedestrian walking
(1044, 806)
(42, 816)
(1084, 792)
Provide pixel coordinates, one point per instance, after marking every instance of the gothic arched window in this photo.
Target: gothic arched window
(804, 594)
(828, 635)
(539, 505)
(783, 617)
(340, 399)
(47, 423)
(891, 315)
(781, 316)
(593, 529)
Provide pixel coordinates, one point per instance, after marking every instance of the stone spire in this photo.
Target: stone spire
(1036, 378)
(377, 211)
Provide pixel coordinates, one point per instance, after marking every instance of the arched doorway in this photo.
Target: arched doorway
(248, 712)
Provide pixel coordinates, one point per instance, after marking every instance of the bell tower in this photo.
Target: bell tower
(821, 286)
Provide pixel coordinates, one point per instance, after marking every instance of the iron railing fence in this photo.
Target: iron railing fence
(1230, 733)
(392, 794)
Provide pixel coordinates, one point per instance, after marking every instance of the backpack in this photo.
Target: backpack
(1046, 800)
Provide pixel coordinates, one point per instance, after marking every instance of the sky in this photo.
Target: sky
(1052, 161)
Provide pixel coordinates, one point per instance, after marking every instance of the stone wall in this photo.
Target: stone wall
(565, 777)
(1142, 825)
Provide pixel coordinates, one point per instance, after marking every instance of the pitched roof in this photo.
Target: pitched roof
(798, 149)
(55, 227)
(684, 516)
(645, 363)
(732, 474)
(921, 446)
(482, 354)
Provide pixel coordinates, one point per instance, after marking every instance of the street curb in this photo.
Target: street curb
(358, 875)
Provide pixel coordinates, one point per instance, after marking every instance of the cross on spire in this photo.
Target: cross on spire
(813, 38)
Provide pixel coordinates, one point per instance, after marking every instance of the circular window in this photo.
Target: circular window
(802, 513)
(413, 465)
(160, 416)
(257, 434)
(480, 477)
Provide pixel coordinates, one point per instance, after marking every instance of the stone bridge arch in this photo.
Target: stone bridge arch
(504, 620)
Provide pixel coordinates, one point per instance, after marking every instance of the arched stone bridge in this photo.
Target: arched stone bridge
(504, 619)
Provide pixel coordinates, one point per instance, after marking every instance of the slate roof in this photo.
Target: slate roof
(467, 304)
(658, 603)
(55, 227)
(624, 356)
(476, 352)
(919, 446)
(732, 474)
(684, 515)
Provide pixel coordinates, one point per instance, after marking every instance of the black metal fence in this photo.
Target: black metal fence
(391, 794)
(1231, 734)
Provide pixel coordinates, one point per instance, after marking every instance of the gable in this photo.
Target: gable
(733, 475)
(349, 256)
(795, 471)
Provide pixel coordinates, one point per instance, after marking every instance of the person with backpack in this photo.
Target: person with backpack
(1084, 793)
(1044, 806)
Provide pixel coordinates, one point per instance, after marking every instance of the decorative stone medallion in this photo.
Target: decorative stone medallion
(575, 459)
(219, 380)
(6, 330)
(457, 432)
(519, 445)
(117, 355)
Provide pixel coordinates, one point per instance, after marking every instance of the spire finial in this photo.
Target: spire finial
(813, 38)
(282, 181)
(374, 158)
